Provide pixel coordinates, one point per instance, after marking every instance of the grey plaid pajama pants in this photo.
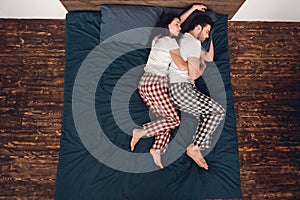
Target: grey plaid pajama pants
(188, 98)
(154, 91)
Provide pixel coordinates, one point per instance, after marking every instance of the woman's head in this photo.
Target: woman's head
(171, 23)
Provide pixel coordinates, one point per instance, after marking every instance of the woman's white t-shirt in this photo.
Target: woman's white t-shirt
(160, 58)
(189, 47)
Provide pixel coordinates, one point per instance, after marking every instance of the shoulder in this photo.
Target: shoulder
(189, 40)
(167, 39)
(168, 42)
(190, 46)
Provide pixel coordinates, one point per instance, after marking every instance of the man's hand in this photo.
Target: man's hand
(202, 65)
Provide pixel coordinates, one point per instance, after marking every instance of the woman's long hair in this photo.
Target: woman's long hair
(164, 23)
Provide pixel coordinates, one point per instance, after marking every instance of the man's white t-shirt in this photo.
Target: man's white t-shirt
(189, 47)
(160, 58)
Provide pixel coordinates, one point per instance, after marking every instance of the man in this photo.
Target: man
(184, 93)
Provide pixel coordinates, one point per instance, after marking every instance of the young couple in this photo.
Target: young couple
(168, 84)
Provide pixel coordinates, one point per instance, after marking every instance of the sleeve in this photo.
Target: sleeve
(190, 48)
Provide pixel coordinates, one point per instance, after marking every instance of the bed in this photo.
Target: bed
(104, 61)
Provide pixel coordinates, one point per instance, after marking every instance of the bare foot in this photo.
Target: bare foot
(156, 157)
(137, 134)
(194, 152)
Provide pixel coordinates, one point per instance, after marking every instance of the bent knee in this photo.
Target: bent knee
(177, 122)
(174, 121)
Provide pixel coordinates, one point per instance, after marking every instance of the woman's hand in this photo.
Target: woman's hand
(194, 7)
(200, 7)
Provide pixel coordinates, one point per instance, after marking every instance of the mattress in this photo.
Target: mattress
(102, 105)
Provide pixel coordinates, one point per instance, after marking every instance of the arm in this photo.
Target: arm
(209, 56)
(202, 66)
(196, 67)
(178, 60)
(193, 66)
(186, 14)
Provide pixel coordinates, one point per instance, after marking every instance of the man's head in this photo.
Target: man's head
(200, 27)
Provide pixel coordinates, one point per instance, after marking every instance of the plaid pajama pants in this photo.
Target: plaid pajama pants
(154, 91)
(188, 98)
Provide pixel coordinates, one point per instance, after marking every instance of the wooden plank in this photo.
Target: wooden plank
(227, 7)
(265, 71)
(31, 103)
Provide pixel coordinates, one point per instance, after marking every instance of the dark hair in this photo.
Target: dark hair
(201, 20)
(165, 21)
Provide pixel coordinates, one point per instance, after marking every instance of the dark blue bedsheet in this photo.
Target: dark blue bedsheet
(80, 175)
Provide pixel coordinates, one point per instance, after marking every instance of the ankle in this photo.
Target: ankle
(138, 132)
(193, 147)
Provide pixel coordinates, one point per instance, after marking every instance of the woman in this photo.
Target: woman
(153, 86)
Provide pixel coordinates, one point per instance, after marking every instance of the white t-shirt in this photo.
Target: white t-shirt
(159, 58)
(189, 47)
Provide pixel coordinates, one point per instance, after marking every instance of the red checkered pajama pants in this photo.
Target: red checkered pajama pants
(154, 91)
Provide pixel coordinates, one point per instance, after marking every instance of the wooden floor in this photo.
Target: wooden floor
(265, 71)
